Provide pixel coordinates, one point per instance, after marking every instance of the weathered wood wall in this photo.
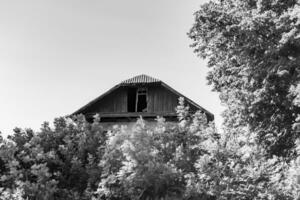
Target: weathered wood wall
(159, 100)
(115, 102)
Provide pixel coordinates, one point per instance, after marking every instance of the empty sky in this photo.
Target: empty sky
(57, 55)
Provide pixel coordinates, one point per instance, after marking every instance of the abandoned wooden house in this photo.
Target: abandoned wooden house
(138, 96)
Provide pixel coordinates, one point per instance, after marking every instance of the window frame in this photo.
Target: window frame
(139, 92)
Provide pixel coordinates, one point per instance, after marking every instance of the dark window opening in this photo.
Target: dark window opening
(137, 100)
(142, 103)
(131, 99)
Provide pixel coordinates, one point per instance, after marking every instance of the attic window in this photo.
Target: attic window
(137, 100)
(141, 104)
(131, 99)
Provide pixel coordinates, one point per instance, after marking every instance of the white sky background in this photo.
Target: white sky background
(57, 55)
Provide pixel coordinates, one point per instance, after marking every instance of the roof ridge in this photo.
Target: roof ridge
(142, 78)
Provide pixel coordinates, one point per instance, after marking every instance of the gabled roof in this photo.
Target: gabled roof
(140, 79)
(144, 79)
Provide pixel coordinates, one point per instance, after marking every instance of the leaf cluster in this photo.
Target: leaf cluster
(253, 50)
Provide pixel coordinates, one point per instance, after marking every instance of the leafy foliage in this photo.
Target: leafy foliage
(58, 163)
(153, 160)
(253, 50)
(187, 159)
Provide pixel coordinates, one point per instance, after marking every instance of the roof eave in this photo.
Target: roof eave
(96, 99)
(188, 100)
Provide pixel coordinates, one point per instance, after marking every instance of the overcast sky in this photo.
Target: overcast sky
(57, 55)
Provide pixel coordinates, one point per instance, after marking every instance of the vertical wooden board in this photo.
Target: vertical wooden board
(115, 100)
(102, 105)
(124, 101)
(168, 101)
(107, 105)
(124, 107)
(150, 99)
(112, 102)
(152, 96)
(161, 99)
(153, 99)
(164, 100)
(169, 98)
(156, 100)
(119, 100)
(174, 102)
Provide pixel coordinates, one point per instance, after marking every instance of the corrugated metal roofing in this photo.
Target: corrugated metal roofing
(140, 79)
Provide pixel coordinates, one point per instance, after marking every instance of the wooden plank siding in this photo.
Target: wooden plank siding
(115, 102)
(161, 100)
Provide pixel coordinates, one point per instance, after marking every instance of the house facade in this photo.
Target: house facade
(141, 95)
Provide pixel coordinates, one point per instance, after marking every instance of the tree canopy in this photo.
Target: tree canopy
(253, 50)
(185, 160)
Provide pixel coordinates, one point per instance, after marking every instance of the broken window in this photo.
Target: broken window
(137, 100)
(141, 104)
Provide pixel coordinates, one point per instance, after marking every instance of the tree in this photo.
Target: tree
(188, 160)
(253, 50)
(55, 163)
(183, 160)
(151, 162)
